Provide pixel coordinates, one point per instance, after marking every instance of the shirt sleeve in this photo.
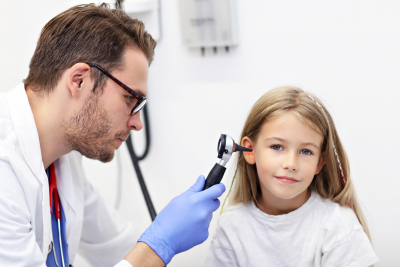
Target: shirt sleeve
(221, 252)
(123, 263)
(354, 251)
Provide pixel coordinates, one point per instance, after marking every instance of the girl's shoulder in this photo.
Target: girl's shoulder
(341, 237)
(234, 210)
(326, 216)
(234, 215)
(336, 220)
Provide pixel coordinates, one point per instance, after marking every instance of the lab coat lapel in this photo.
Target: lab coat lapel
(25, 127)
(28, 138)
(65, 189)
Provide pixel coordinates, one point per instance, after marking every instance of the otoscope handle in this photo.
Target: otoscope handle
(215, 176)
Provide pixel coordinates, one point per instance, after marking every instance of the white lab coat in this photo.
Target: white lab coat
(101, 234)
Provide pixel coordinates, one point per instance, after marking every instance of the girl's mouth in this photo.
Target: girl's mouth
(286, 180)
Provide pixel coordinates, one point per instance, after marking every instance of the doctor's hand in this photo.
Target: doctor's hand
(184, 222)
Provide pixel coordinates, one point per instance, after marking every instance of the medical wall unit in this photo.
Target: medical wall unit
(209, 23)
(147, 11)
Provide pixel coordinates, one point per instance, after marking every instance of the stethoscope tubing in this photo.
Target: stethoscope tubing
(57, 207)
(59, 238)
(135, 161)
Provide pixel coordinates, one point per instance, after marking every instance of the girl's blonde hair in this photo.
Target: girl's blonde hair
(329, 183)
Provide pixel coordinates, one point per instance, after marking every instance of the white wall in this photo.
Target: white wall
(345, 52)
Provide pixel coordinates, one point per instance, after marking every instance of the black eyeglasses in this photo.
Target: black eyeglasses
(140, 100)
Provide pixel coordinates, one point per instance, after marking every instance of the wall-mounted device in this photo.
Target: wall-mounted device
(226, 146)
(209, 23)
(147, 11)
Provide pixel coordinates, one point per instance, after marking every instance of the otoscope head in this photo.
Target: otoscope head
(226, 146)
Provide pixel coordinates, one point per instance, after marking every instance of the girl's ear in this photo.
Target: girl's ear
(321, 162)
(248, 156)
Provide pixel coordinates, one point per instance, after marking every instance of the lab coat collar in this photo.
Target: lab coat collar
(25, 128)
(27, 134)
(29, 145)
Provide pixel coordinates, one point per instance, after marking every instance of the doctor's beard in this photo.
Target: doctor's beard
(88, 131)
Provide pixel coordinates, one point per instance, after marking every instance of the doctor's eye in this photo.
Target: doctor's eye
(306, 152)
(132, 100)
(276, 147)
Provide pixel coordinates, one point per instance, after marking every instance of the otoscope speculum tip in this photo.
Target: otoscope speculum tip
(226, 146)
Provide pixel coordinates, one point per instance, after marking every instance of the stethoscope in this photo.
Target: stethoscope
(54, 194)
(135, 161)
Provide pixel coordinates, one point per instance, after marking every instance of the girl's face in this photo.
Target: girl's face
(287, 154)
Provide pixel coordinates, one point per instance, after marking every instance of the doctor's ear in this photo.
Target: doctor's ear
(248, 156)
(79, 78)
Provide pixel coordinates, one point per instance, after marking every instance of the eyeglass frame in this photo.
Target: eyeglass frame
(141, 99)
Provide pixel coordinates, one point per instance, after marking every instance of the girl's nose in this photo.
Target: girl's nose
(290, 162)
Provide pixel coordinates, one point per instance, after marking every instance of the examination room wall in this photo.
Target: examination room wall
(345, 52)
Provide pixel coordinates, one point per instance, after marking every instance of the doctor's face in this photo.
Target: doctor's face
(104, 122)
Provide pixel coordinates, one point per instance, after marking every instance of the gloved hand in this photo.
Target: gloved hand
(184, 222)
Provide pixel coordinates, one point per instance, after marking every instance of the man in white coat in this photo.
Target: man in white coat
(86, 85)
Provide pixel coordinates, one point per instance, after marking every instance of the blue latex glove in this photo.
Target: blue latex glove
(184, 222)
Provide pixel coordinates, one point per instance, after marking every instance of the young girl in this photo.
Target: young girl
(294, 203)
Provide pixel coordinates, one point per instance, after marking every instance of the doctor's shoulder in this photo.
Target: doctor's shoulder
(5, 120)
(9, 157)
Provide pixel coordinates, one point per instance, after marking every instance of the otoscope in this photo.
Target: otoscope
(226, 146)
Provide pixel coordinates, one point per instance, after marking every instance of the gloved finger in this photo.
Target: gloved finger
(213, 192)
(215, 204)
(198, 185)
(209, 208)
(213, 207)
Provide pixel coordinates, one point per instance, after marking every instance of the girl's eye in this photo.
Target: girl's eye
(276, 147)
(306, 152)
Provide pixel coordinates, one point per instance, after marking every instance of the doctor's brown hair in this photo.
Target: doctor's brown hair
(328, 183)
(85, 33)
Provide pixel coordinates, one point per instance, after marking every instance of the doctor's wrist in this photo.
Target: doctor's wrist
(158, 241)
(144, 256)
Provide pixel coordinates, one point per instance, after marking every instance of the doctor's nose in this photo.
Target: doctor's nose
(290, 162)
(135, 122)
